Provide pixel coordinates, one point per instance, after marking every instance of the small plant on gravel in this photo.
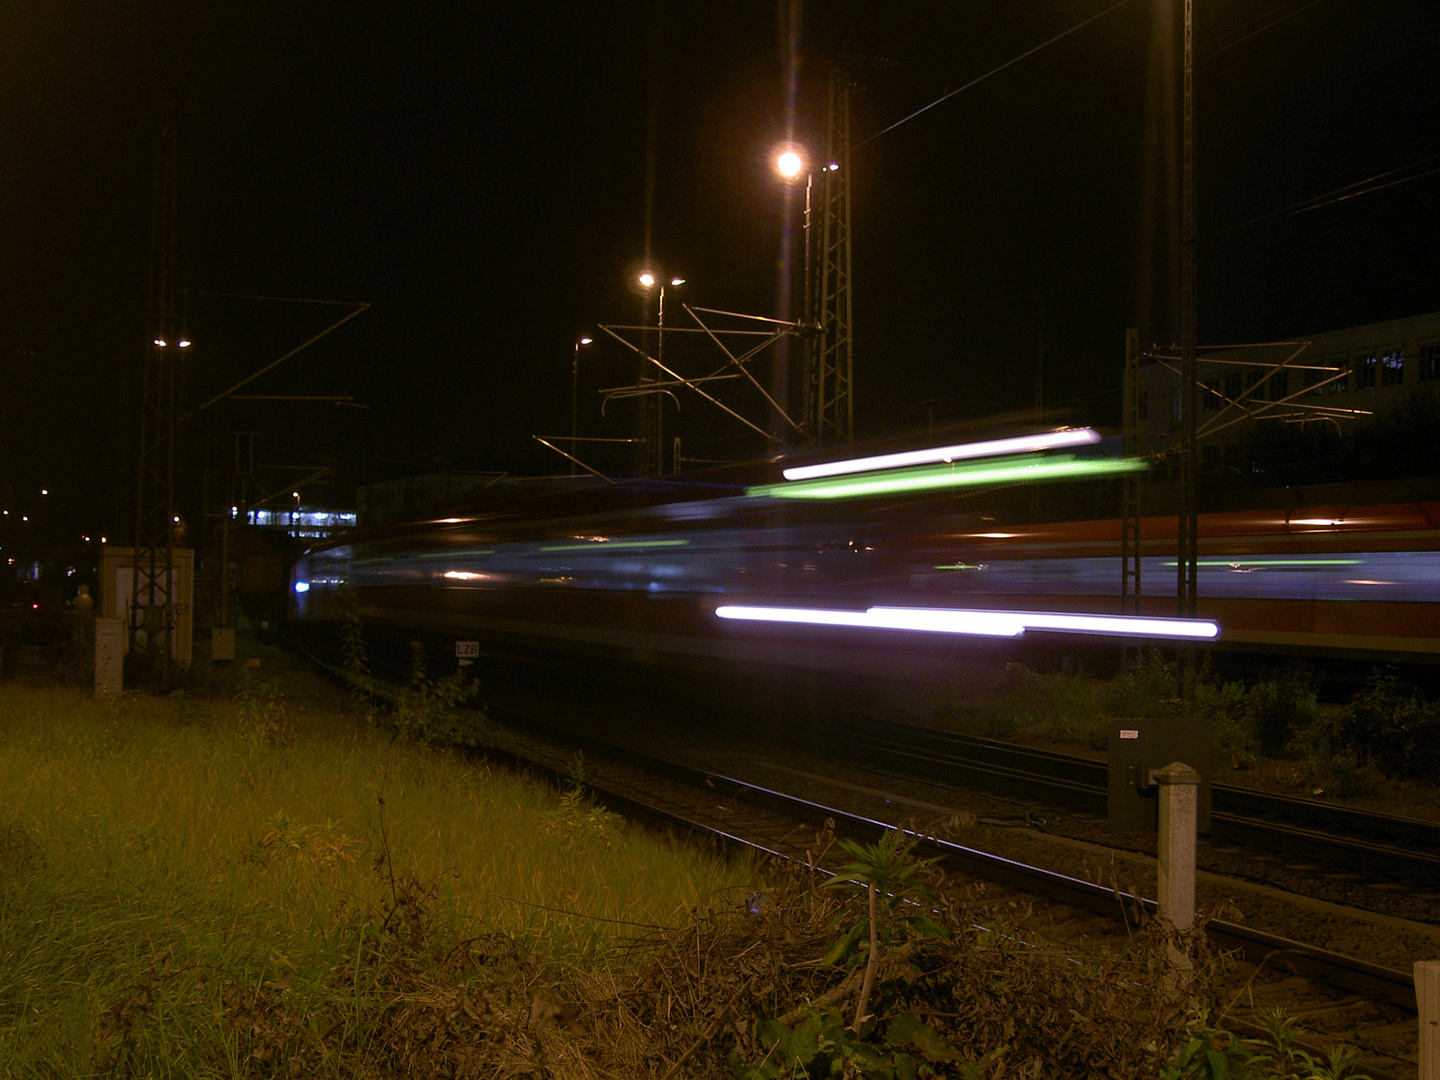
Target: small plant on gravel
(891, 876)
(1210, 1053)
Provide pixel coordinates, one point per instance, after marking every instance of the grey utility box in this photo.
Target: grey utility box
(1137, 748)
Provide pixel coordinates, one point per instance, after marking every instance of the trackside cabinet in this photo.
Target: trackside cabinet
(1139, 747)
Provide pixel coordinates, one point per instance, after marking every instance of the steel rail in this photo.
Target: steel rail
(1257, 818)
(637, 798)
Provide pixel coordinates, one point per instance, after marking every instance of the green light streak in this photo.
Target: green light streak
(935, 477)
(613, 545)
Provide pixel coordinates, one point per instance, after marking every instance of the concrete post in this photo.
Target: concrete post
(1427, 997)
(109, 656)
(1179, 815)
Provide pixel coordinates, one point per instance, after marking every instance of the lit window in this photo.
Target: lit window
(1392, 366)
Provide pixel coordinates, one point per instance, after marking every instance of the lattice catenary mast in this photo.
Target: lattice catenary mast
(153, 583)
(829, 390)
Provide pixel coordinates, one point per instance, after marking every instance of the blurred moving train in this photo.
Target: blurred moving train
(902, 566)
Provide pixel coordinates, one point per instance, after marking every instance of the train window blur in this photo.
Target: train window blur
(1364, 367)
(1430, 361)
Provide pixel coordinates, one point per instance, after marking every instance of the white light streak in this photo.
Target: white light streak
(978, 621)
(1048, 441)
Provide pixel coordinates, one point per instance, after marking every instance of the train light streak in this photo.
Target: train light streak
(615, 545)
(982, 622)
(1051, 440)
(1236, 564)
(463, 575)
(905, 481)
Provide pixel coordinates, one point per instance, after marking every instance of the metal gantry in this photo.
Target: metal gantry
(1188, 526)
(829, 389)
(151, 622)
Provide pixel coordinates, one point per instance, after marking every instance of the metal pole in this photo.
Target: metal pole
(574, 405)
(1188, 533)
(658, 435)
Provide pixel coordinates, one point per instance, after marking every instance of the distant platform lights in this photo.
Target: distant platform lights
(312, 524)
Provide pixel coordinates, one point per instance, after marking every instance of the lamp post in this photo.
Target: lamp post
(654, 412)
(648, 281)
(575, 400)
(826, 319)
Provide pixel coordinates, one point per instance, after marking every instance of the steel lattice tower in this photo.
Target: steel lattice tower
(829, 394)
(1186, 562)
(153, 594)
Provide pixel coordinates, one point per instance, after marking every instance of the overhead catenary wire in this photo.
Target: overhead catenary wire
(993, 71)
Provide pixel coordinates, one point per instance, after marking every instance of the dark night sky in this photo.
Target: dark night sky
(479, 173)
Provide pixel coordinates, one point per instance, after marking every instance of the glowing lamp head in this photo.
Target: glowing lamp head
(789, 165)
(647, 280)
(586, 340)
(160, 343)
(183, 343)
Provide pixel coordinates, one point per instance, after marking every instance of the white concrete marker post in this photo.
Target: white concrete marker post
(109, 657)
(1427, 997)
(1179, 816)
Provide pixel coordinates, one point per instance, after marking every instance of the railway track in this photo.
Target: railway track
(1323, 982)
(705, 803)
(1388, 848)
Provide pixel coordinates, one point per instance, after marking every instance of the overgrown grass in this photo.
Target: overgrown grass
(168, 866)
(251, 888)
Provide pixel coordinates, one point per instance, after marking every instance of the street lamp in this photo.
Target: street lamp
(648, 281)
(575, 400)
(653, 425)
